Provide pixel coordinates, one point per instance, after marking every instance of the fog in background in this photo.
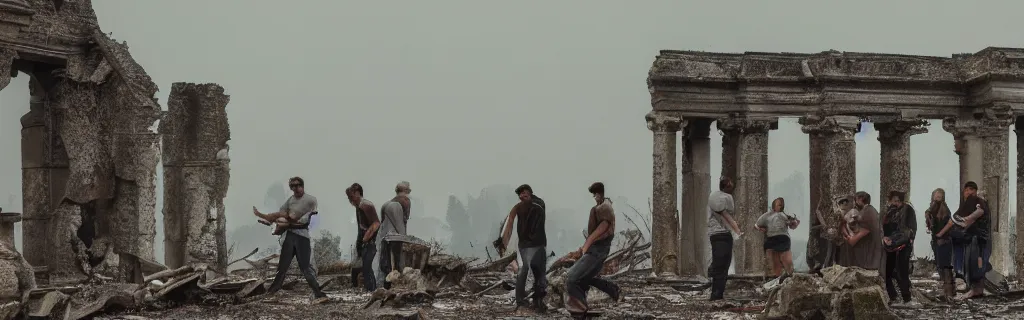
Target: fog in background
(468, 99)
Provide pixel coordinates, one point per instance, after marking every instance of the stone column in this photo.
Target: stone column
(894, 137)
(833, 154)
(694, 248)
(1018, 249)
(195, 135)
(745, 161)
(982, 147)
(665, 220)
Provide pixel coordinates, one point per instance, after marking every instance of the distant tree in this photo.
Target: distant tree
(326, 249)
(460, 226)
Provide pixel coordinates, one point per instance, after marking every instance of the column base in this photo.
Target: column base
(1002, 260)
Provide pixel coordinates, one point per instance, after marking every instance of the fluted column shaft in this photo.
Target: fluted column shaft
(694, 248)
(745, 161)
(833, 173)
(894, 164)
(665, 220)
(981, 145)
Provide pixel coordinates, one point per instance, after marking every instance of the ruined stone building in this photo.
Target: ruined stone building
(977, 96)
(89, 155)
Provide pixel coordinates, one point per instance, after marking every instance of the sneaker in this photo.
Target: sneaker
(912, 304)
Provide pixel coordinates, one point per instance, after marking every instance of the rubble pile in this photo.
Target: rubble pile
(839, 293)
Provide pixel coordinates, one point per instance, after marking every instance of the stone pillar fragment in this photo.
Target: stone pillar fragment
(745, 161)
(694, 247)
(665, 220)
(894, 138)
(195, 136)
(833, 154)
(981, 145)
(1018, 249)
(45, 172)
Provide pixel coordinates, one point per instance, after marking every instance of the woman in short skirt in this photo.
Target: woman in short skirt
(776, 224)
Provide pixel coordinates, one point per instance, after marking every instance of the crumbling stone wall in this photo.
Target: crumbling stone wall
(195, 133)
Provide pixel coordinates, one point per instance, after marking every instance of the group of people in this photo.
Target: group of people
(858, 236)
(529, 216)
(291, 223)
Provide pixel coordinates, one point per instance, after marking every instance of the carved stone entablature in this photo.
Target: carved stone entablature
(658, 122)
(756, 84)
(695, 66)
(980, 127)
(747, 125)
(814, 124)
(900, 128)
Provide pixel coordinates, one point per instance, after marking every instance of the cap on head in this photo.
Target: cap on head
(596, 187)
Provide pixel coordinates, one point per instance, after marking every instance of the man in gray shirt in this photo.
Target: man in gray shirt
(295, 241)
(394, 214)
(720, 209)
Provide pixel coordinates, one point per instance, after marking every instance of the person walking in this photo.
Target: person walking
(295, 242)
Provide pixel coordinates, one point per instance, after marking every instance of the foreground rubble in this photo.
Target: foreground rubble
(440, 286)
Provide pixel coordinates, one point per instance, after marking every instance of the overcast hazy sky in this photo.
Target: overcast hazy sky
(457, 95)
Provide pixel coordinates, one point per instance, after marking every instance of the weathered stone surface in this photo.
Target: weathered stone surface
(846, 83)
(694, 248)
(842, 293)
(894, 166)
(982, 145)
(833, 172)
(88, 155)
(745, 161)
(196, 176)
(665, 222)
(1018, 247)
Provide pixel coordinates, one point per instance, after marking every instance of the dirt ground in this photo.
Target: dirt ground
(642, 299)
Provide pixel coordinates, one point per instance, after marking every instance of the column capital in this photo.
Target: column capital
(659, 122)
(814, 124)
(983, 127)
(900, 128)
(747, 125)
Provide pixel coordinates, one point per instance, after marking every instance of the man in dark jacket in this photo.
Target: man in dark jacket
(899, 227)
(530, 212)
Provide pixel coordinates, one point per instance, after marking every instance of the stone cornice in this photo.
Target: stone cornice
(900, 128)
(978, 127)
(696, 66)
(814, 124)
(747, 125)
(661, 123)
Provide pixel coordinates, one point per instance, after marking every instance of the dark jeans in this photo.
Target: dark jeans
(721, 259)
(586, 273)
(296, 246)
(535, 260)
(897, 268)
(392, 249)
(943, 253)
(367, 252)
